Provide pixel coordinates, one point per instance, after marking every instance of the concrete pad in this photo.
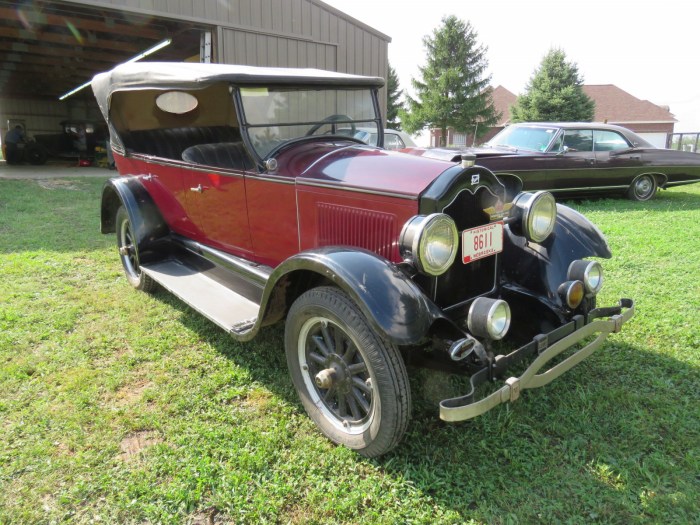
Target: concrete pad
(52, 170)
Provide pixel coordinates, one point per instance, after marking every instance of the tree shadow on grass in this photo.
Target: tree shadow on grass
(614, 440)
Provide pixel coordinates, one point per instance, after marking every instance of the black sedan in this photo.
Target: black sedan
(577, 159)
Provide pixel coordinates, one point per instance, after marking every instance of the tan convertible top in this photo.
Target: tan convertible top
(185, 75)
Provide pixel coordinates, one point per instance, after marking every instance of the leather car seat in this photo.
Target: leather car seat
(229, 155)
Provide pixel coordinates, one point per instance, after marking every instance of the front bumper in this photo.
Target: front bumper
(601, 321)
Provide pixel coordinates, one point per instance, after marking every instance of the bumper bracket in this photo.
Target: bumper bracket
(601, 321)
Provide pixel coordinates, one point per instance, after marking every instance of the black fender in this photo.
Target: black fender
(393, 304)
(150, 229)
(541, 268)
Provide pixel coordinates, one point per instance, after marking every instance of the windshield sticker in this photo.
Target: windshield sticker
(254, 92)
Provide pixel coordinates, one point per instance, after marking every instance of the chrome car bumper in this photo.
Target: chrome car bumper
(601, 321)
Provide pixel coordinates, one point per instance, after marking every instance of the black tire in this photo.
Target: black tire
(35, 154)
(367, 405)
(129, 255)
(642, 188)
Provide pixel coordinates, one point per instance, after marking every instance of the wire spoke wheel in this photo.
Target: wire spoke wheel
(128, 253)
(337, 375)
(127, 250)
(351, 381)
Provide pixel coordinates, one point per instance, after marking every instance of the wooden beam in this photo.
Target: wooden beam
(90, 24)
(75, 51)
(55, 70)
(69, 40)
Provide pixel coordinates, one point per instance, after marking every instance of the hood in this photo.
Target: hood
(354, 166)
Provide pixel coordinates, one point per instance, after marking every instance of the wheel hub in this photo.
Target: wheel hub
(325, 378)
(335, 375)
(126, 250)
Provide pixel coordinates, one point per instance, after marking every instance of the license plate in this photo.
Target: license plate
(482, 241)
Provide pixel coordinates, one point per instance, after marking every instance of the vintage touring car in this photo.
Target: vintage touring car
(243, 191)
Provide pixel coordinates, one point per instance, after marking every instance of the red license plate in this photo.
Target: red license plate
(482, 241)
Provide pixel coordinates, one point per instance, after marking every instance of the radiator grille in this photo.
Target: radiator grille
(347, 226)
(466, 281)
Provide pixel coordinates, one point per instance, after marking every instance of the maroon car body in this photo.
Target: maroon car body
(241, 192)
(574, 159)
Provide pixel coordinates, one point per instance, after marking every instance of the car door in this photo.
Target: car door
(216, 203)
(166, 185)
(574, 167)
(617, 161)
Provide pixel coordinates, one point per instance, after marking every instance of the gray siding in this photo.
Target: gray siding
(254, 49)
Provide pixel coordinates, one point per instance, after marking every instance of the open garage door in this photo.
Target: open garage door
(48, 48)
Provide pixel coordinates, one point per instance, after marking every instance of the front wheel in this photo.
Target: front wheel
(35, 154)
(129, 255)
(351, 381)
(642, 188)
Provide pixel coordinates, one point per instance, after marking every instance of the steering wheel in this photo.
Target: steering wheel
(330, 119)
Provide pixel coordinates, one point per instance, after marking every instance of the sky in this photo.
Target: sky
(648, 48)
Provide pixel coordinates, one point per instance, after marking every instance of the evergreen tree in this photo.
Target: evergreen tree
(452, 90)
(554, 93)
(394, 105)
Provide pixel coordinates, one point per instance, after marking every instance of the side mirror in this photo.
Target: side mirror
(563, 151)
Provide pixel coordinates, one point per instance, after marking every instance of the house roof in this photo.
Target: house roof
(612, 104)
(502, 101)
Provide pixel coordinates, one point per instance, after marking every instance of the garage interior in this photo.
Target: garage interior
(49, 48)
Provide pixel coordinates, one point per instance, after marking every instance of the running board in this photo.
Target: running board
(231, 311)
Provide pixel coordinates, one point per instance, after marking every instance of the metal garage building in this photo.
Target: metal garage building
(48, 48)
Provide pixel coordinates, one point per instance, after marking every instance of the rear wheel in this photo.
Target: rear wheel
(642, 188)
(129, 255)
(352, 382)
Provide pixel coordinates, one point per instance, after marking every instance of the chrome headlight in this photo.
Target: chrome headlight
(535, 215)
(590, 272)
(430, 242)
(489, 318)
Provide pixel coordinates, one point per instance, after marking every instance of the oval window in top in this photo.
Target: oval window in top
(177, 102)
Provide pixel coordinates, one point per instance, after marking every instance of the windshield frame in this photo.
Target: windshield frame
(245, 126)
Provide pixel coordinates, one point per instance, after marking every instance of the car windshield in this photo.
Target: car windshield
(274, 116)
(533, 138)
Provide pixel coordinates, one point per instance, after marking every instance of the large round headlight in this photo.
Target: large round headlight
(430, 242)
(590, 272)
(489, 318)
(536, 215)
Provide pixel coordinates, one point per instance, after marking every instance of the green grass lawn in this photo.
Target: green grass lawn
(117, 406)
